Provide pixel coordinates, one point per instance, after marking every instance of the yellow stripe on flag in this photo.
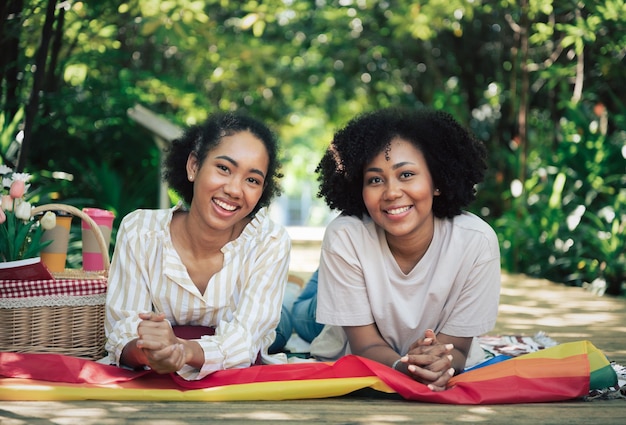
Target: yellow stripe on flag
(25, 390)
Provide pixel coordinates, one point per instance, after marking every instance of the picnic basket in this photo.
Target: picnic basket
(64, 315)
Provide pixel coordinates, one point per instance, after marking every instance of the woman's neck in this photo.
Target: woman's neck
(200, 249)
(197, 239)
(410, 249)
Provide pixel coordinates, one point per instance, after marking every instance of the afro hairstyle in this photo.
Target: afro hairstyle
(455, 158)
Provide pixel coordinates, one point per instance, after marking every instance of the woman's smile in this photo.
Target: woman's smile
(395, 211)
(224, 205)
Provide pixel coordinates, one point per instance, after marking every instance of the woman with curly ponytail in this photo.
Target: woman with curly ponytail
(198, 287)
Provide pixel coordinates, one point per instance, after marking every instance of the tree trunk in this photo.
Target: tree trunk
(51, 77)
(38, 81)
(522, 116)
(10, 28)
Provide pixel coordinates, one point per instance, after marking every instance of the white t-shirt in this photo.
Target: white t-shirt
(454, 289)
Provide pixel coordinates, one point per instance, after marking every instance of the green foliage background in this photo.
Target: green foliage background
(541, 82)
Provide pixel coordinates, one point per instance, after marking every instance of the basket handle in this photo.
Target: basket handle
(104, 249)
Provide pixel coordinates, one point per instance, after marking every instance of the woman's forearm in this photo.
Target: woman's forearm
(132, 356)
(195, 353)
(381, 353)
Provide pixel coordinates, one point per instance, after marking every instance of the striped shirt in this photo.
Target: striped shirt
(242, 301)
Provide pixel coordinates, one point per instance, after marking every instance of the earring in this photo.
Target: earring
(190, 178)
(437, 191)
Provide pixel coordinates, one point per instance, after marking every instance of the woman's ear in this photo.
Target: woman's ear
(192, 166)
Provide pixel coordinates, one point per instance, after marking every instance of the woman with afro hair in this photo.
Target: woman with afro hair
(407, 277)
(198, 287)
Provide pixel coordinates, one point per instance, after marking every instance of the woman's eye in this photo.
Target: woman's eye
(254, 181)
(406, 174)
(222, 167)
(374, 180)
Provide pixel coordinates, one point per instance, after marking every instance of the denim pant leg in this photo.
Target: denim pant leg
(303, 315)
(284, 330)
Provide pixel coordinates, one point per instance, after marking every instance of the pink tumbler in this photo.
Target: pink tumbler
(92, 255)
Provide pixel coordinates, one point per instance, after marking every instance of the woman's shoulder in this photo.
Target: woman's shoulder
(351, 227)
(145, 220)
(471, 221)
(349, 221)
(470, 225)
(262, 226)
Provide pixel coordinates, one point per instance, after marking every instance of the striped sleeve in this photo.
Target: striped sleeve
(128, 291)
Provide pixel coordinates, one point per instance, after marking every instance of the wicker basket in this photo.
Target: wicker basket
(64, 315)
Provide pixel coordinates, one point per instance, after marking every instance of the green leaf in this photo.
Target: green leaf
(557, 191)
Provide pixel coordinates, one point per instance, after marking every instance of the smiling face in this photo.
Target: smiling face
(230, 182)
(398, 191)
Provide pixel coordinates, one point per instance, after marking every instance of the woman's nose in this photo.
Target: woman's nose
(392, 190)
(233, 188)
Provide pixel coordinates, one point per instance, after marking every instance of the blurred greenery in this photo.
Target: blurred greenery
(539, 81)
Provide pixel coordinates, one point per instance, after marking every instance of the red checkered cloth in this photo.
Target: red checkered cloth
(58, 287)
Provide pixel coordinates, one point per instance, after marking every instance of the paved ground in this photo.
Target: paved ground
(527, 306)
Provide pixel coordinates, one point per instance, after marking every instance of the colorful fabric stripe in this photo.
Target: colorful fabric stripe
(560, 373)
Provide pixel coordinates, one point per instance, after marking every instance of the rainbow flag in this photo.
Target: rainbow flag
(564, 372)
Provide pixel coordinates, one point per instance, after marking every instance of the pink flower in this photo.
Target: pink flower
(3, 216)
(18, 188)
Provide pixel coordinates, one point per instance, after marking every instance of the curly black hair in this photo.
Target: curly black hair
(201, 139)
(455, 158)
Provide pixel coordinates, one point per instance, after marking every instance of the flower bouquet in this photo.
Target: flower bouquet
(20, 233)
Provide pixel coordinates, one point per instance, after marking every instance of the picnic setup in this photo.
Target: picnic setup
(356, 212)
(59, 363)
(52, 343)
(53, 337)
(551, 345)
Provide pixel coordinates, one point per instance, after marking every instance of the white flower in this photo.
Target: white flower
(48, 221)
(22, 209)
(25, 177)
(7, 203)
(4, 169)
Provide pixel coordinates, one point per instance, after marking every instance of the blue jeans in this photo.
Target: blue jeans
(284, 330)
(303, 311)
